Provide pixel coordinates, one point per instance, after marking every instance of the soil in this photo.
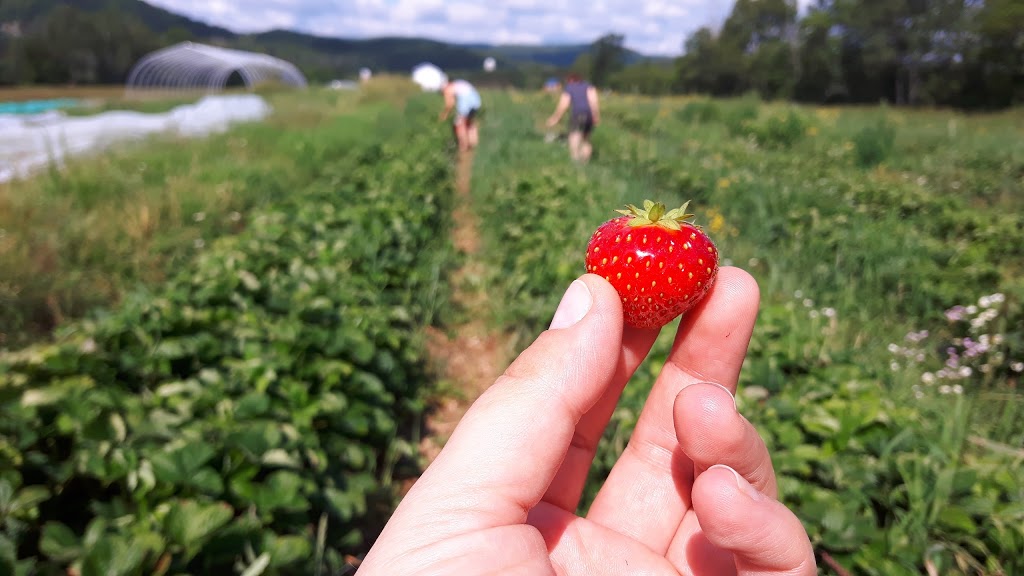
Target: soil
(469, 356)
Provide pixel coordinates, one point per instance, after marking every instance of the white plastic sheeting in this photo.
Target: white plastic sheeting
(193, 66)
(29, 143)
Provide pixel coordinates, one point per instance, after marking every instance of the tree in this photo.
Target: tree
(608, 54)
(996, 76)
(710, 67)
(818, 59)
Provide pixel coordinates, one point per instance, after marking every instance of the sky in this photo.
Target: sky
(653, 27)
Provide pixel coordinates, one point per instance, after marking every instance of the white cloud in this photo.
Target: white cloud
(650, 26)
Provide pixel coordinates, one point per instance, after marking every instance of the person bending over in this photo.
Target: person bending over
(461, 96)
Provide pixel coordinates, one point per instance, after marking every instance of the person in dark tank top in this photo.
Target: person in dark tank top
(580, 99)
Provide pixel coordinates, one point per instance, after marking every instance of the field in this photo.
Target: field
(227, 347)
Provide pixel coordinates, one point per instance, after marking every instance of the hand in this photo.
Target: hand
(442, 116)
(552, 122)
(693, 493)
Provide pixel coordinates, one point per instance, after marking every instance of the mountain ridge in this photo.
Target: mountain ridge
(320, 55)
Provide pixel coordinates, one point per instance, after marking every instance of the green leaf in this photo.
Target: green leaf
(208, 481)
(189, 523)
(28, 498)
(113, 556)
(252, 406)
(179, 465)
(288, 550)
(59, 543)
(957, 519)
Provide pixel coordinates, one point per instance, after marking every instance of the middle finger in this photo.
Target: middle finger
(647, 492)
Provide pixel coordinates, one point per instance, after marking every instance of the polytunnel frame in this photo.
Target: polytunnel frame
(194, 66)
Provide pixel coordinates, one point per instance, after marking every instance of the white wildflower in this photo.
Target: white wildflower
(958, 389)
(928, 378)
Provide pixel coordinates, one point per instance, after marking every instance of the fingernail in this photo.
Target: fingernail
(574, 306)
(741, 483)
(734, 405)
(729, 392)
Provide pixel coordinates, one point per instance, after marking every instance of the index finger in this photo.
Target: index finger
(509, 446)
(647, 492)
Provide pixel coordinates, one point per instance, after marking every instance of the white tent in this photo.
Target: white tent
(192, 66)
(429, 77)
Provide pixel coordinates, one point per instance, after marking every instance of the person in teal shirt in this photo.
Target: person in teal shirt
(464, 99)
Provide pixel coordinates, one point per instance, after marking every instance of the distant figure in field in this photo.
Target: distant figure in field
(585, 114)
(461, 96)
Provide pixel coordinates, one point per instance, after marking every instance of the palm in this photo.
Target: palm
(501, 497)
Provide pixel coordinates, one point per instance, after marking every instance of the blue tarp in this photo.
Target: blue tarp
(36, 106)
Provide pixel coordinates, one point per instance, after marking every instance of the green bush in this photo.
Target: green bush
(780, 129)
(700, 112)
(253, 411)
(874, 142)
(739, 114)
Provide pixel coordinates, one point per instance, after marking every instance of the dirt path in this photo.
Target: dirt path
(470, 356)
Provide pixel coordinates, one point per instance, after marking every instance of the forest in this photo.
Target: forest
(965, 54)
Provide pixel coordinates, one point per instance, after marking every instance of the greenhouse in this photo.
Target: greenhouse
(193, 66)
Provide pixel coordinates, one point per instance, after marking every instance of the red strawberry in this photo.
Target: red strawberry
(660, 264)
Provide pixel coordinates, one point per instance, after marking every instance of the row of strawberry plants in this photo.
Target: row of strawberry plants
(253, 413)
(884, 486)
(853, 459)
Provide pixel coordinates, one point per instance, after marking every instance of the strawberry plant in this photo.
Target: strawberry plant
(886, 482)
(254, 412)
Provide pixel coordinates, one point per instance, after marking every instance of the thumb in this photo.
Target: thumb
(765, 537)
(510, 444)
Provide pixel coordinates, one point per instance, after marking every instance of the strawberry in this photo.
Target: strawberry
(660, 264)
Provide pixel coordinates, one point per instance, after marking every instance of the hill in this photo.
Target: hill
(142, 27)
(30, 12)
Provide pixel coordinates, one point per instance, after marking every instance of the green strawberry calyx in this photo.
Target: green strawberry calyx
(654, 213)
